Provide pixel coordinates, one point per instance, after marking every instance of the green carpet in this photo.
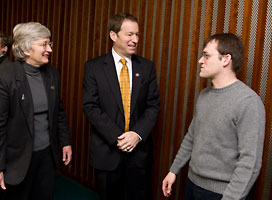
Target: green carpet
(67, 189)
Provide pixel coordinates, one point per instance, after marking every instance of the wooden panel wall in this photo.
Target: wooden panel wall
(172, 32)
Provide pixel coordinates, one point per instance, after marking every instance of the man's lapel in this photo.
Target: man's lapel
(136, 81)
(110, 72)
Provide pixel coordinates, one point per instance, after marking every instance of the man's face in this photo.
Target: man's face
(126, 40)
(211, 61)
(39, 53)
(2, 49)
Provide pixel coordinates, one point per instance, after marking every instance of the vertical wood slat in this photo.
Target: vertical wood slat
(267, 144)
(233, 16)
(221, 16)
(246, 34)
(259, 191)
(259, 45)
(79, 32)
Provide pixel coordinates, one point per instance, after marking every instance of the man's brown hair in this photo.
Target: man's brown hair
(5, 40)
(117, 20)
(228, 43)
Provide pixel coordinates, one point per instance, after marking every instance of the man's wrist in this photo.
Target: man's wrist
(140, 138)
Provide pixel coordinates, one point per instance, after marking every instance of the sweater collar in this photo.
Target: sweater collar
(31, 70)
(229, 87)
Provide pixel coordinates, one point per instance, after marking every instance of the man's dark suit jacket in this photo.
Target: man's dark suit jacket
(102, 104)
(6, 62)
(17, 119)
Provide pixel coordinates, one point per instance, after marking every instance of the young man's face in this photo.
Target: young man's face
(126, 40)
(211, 61)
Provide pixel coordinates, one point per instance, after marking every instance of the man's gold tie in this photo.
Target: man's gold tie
(125, 92)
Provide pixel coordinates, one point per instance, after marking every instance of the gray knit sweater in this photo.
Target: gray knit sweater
(224, 142)
(40, 105)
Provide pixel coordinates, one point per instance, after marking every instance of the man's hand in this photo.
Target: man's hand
(128, 141)
(2, 183)
(67, 154)
(167, 184)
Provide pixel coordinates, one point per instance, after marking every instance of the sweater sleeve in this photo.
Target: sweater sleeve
(250, 128)
(185, 150)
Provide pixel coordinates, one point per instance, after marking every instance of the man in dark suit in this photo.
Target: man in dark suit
(121, 124)
(32, 120)
(5, 45)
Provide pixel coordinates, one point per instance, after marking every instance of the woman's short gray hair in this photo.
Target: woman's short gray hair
(23, 36)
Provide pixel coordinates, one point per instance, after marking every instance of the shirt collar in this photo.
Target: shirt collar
(117, 58)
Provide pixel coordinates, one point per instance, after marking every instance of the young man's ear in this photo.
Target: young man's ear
(113, 36)
(227, 59)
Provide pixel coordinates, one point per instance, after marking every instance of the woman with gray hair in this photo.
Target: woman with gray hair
(32, 120)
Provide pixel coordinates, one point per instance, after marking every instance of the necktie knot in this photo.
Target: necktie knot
(123, 61)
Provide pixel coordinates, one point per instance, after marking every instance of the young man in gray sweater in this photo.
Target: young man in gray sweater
(225, 139)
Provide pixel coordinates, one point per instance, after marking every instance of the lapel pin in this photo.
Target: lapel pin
(52, 87)
(23, 96)
(137, 74)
